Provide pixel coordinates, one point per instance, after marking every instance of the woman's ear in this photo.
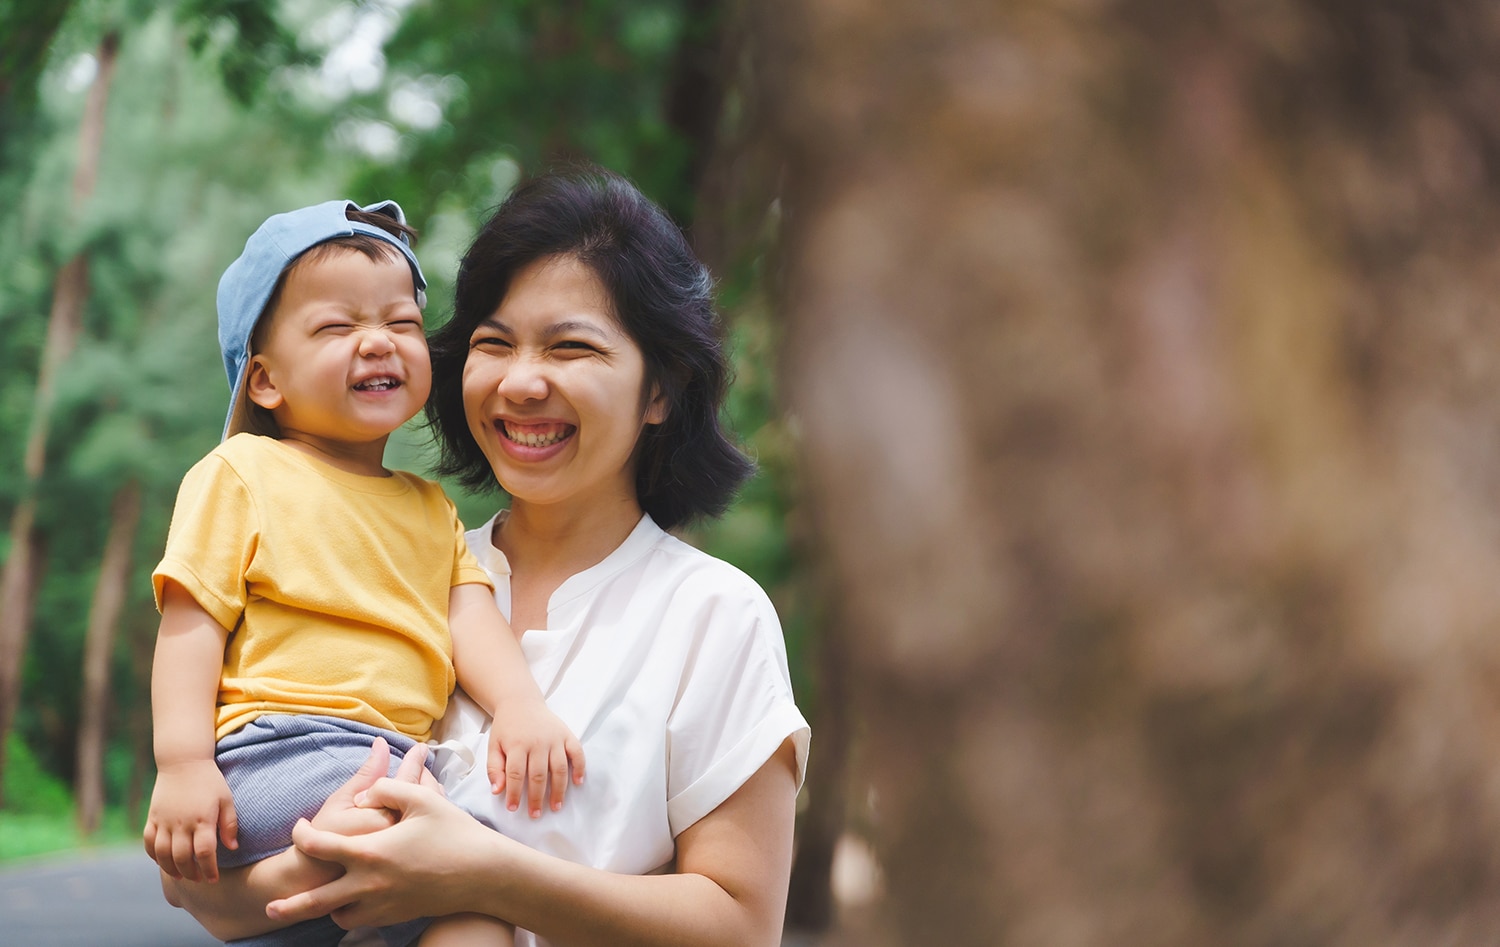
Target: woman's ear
(259, 387)
(657, 408)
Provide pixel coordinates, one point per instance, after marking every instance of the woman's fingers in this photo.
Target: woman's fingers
(397, 796)
(324, 899)
(412, 764)
(376, 765)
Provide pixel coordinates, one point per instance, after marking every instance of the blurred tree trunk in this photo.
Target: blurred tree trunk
(1148, 365)
(64, 323)
(98, 652)
(810, 900)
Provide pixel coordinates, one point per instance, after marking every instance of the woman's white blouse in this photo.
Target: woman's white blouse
(669, 665)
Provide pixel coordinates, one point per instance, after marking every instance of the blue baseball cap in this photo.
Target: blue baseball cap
(246, 285)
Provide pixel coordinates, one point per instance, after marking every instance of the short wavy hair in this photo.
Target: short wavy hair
(687, 467)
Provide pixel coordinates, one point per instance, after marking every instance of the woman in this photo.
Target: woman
(581, 370)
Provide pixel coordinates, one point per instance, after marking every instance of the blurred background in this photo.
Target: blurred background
(1124, 377)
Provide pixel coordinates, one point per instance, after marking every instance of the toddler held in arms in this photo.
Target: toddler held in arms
(313, 601)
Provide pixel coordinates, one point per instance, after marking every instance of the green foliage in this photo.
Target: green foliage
(38, 815)
(31, 790)
(245, 38)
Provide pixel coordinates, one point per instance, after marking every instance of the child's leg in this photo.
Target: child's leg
(467, 930)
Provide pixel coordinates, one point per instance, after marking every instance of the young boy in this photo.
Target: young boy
(344, 592)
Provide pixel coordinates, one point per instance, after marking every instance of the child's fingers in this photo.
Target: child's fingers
(575, 757)
(229, 825)
(161, 853)
(515, 780)
(494, 768)
(182, 855)
(206, 851)
(558, 760)
(536, 782)
(148, 836)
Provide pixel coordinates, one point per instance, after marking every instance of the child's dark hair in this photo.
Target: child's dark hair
(687, 466)
(257, 419)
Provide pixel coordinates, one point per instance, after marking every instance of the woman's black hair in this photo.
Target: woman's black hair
(686, 467)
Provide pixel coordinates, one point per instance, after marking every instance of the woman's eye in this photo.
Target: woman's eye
(488, 342)
(573, 346)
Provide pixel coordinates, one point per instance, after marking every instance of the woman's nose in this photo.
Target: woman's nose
(524, 380)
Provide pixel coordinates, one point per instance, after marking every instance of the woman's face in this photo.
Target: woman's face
(554, 389)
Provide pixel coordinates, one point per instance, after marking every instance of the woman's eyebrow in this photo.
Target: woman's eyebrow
(571, 326)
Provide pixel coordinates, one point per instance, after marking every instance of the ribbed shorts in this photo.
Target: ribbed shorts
(281, 768)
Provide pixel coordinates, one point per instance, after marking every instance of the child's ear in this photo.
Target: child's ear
(259, 387)
(657, 408)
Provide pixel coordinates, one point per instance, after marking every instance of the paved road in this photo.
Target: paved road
(107, 898)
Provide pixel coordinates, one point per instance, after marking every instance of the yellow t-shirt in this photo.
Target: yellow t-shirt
(334, 585)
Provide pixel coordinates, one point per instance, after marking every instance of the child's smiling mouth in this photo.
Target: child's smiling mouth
(378, 383)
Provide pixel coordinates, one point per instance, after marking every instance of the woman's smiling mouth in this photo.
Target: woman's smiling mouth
(535, 435)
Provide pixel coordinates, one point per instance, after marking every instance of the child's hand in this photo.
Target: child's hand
(527, 743)
(191, 810)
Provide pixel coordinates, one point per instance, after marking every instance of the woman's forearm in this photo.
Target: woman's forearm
(729, 889)
(571, 904)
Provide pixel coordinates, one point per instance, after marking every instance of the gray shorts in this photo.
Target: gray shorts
(281, 768)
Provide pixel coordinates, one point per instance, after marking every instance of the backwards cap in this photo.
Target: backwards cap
(247, 284)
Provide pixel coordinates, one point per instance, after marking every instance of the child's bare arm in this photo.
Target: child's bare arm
(191, 806)
(527, 741)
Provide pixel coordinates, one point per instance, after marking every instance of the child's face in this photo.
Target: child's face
(344, 359)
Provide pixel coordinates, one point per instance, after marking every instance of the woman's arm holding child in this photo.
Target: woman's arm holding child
(527, 740)
(191, 806)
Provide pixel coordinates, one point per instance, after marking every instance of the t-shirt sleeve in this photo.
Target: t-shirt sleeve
(466, 569)
(213, 537)
(734, 706)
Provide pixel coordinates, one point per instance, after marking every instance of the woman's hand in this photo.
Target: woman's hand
(236, 906)
(418, 867)
(342, 814)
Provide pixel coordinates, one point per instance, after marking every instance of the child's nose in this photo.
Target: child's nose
(375, 340)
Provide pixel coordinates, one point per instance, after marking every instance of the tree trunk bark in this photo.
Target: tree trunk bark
(810, 898)
(104, 618)
(64, 323)
(1145, 359)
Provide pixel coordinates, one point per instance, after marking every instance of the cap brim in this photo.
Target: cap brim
(239, 420)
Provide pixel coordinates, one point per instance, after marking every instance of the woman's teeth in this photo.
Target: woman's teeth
(546, 438)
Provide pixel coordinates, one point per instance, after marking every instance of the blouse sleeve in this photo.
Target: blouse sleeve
(734, 706)
(212, 540)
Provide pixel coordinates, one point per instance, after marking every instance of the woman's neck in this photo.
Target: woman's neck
(557, 540)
